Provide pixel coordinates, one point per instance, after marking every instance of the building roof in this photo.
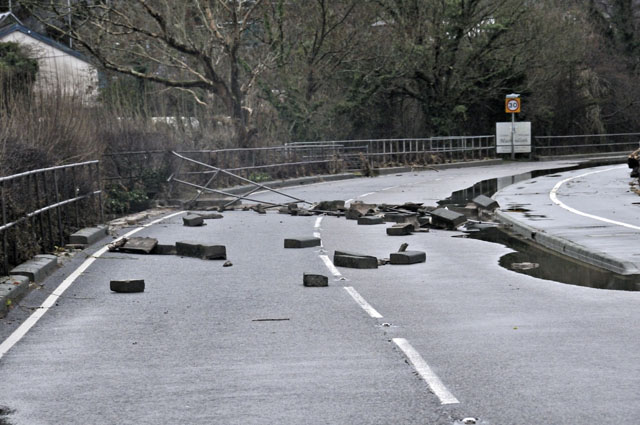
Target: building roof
(42, 38)
(8, 18)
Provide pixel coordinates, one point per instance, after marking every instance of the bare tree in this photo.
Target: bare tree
(210, 49)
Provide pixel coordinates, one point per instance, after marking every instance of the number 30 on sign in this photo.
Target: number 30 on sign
(512, 106)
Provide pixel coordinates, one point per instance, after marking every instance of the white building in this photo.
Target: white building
(60, 68)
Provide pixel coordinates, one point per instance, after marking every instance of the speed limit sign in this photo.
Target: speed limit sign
(512, 105)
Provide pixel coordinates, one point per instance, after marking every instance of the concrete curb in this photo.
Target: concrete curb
(15, 286)
(566, 247)
(88, 235)
(12, 290)
(37, 269)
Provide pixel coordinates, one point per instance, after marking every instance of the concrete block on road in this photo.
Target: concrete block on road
(12, 290)
(408, 257)
(402, 229)
(315, 280)
(303, 242)
(127, 286)
(193, 220)
(484, 202)
(88, 236)
(370, 220)
(198, 250)
(139, 245)
(447, 219)
(337, 205)
(354, 261)
(164, 250)
(38, 268)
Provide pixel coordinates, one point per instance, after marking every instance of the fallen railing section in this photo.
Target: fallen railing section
(41, 208)
(199, 170)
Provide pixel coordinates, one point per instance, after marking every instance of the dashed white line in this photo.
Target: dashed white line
(22, 330)
(553, 195)
(318, 223)
(327, 262)
(363, 303)
(425, 372)
(366, 194)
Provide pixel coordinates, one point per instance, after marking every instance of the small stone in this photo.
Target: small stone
(227, 264)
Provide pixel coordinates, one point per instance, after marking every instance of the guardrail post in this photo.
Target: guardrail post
(5, 244)
(58, 214)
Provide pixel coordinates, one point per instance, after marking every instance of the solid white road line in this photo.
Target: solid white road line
(553, 195)
(22, 330)
(363, 303)
(366, 194)
(425, 372)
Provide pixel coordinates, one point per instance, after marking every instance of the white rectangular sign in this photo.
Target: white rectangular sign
(521, 140)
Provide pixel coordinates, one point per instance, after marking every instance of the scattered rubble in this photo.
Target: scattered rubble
(370, 220)
(402, 229)
(315, 280)
(127, 286)
(303, 242)
(198, 250)
(408, 257)
(193, 220)
(446, 218)
(354, 261)
(484, 202)
(139, 245)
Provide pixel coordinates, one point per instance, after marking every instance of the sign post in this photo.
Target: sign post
(512, 106)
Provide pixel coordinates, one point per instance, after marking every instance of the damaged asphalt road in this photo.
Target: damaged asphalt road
(250, 344)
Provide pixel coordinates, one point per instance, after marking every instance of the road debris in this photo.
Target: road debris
(271, 320)
(314, 280)
(370, 220)
(127, 286)
(408, 257)
(524, 266)
(354, 261)
(401, 229)
(447, 219)
(138, 245)
(227, 264)
(193, 220)
(403, 247)
(303, 242)
(484, 202)
(198, 250)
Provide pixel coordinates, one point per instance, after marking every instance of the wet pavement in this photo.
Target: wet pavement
(591, 215)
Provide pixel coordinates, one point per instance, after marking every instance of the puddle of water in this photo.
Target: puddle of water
(491, 186)
(539, 262)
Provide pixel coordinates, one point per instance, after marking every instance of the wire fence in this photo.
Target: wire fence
(41, 208)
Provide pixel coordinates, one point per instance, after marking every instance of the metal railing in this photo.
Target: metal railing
(40, 208)
(585, 144)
